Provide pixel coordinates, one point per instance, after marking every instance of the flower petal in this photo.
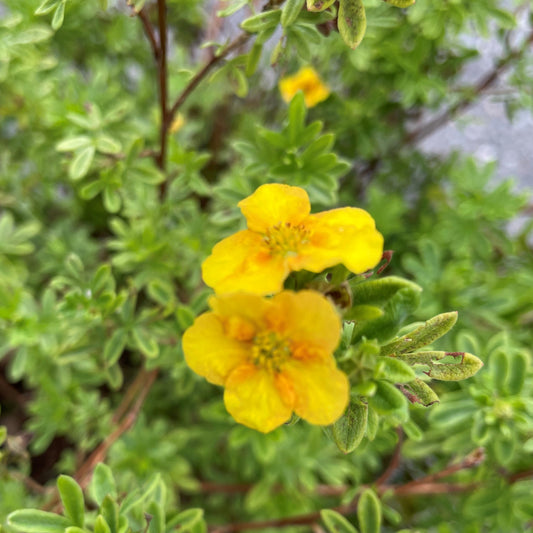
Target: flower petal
(242, 262)
(253, 399)
(308, 319)
(321, 390)
(347, 235)
(275, 203)
(241, 313)
(210, 352)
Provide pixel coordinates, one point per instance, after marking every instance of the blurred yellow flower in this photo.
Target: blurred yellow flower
(307, 81)
(273, 356)
(283, 236)
(177, 123)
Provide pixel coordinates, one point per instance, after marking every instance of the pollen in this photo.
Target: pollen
(286, 239)
(270, 351)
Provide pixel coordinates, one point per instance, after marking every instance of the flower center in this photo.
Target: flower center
(285, 239)
(270, 351)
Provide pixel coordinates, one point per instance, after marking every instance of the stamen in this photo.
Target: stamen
(286, 239)
(270, 351)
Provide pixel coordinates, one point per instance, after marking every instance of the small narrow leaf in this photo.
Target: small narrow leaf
(109, 510)
(319, 5)
(72, 498)
(369, 512)
(46, 7)
(349, 430)
(290, 11)
(352, 22)
(517, 372)
(73, 143)
(466, 368)
(400, 3)
(100, 525)
(59, 15)
(335, 522)
(36, 521)
(262, 21)
(146, 344)
(81, 162)
(419, 392)
(115, 346)
(433, 329)
(108, 145)
(393, 370)
(103, 483)
(387, 398)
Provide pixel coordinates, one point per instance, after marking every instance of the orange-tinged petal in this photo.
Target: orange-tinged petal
(347, 235)
(253, 399)
(321, 390)
(242, 313)
(242, 262)
(308, 319)
(275, 203)
(210, 352)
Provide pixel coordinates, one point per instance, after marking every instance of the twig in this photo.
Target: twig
(163, 83)
(147, 27)
(394, 462)
(480, 88)
(424, 486)
(84, 473)
(201, 74)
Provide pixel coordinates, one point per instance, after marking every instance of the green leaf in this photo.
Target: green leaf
(369, 512)
(115, 346)
(161, 291)
(74, 266)
(109, 511)
(319, 5)
(108, 145)
(100, 525)
(419, 392)
(72, 498)
(335, 522)
(103, 483)
(157, 518)
(252, 60)
(387, 398)
(349, 430)
(400, 3)
(35, 521)
(112, 200)
(89, 191)
(466, 368)
(297, 113)
(32, 35)
(352, 22)
(290, 11)
(360, 313)
(79, 166)
(46, 7)
(185, 317)
(59, 15)
(145, 342)
(518, 366)
(262, 21)
(433, 329)
(73, 143)
(372, 424)
(393, 370)
(187, 519)
(379, 291)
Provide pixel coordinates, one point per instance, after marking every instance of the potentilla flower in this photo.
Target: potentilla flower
(283, 236)
(273, 356)
(307, 81)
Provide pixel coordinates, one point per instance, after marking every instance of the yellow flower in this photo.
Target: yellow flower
(177, 123)
(283, 237)
(273, 356)
(307, 81)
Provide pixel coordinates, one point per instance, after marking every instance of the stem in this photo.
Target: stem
(163, 84)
